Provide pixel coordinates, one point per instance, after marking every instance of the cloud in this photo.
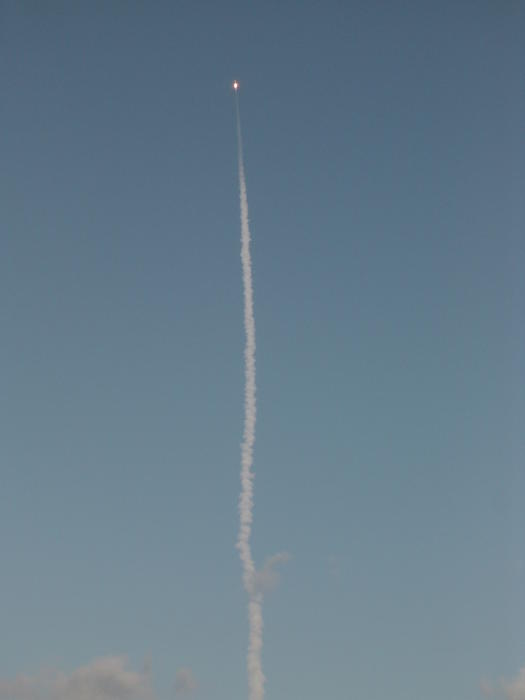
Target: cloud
(515, 689)
(509, 690)
(267, 578)
(486, 688)
(103, 679)
(185, 681)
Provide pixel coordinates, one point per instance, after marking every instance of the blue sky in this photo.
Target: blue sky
(385, 170)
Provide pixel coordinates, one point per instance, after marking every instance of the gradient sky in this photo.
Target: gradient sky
(385, 170)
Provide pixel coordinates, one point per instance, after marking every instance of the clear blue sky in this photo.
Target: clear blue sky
(385, 170)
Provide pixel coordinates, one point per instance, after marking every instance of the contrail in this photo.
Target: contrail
(255, 673)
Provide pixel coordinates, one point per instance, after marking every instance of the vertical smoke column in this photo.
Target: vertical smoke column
(255, 674)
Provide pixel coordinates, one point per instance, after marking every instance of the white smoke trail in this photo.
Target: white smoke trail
(255, 673)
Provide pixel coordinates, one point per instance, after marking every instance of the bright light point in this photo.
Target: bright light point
(235, 85)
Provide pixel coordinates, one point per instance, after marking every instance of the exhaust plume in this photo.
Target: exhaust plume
(255, 673)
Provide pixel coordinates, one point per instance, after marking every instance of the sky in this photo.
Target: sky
(385, 169)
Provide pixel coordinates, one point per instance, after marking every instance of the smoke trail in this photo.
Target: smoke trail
(255, 674)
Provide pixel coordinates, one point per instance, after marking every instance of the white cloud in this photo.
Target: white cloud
(103, 679)
(515, 689)
(486, 688)
(267, 578)
(505, 689)
(185, 681)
